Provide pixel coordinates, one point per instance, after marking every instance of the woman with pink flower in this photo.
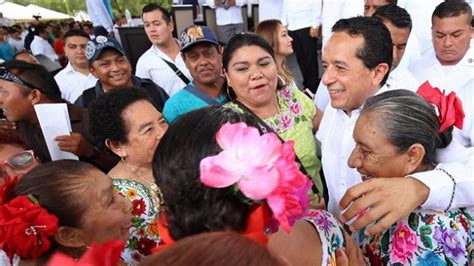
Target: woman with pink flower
(397, 134)
(253, 86)
(226, 176)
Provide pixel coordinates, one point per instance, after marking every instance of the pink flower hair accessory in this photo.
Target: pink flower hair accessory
(261, 167)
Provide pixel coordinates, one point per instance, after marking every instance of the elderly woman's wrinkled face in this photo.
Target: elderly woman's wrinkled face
(108, 214)
(146, 126)
(374, 155)
(252, 74)
(15, 161)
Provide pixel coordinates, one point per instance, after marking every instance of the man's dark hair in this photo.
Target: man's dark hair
(40, 28)
(152, 7)
(452, 8)
(75, 33)
(36, 75)
(377, 47)
(396, 15)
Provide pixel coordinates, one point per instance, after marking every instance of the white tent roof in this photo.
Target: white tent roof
(45, 13)
(15, 11)
(82, 16)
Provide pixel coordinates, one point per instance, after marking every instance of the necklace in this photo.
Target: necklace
(156, 196)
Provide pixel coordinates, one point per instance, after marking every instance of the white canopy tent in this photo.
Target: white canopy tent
(46, 14)
(15, 11)
(26, 13)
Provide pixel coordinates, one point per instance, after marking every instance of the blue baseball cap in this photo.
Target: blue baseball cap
(95, 47)
(196, 34)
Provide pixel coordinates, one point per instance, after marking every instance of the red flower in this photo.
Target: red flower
(463, 222)
(107, 254)
(449, 106)
(138, 207)
(25, 228)
(6, 190)
(145, 246)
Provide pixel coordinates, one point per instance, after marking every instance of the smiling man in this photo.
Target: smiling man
(162, 63)
(108, 63)
(357, 59)
(450, 64)
(202, 54)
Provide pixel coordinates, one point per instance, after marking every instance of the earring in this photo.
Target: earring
(228, 92)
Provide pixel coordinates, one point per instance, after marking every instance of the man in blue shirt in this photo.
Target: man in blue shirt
(202, 55)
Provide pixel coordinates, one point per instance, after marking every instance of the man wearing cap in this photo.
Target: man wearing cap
(203, 57)
(22, 86)
(108, 63)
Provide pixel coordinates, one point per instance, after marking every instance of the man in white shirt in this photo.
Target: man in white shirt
(357, 59)
(162, 63)
(450, 65)
(229, 18)
(75, 77)
(99, 14)
(40, 44)
(303, 19)
(270, 9)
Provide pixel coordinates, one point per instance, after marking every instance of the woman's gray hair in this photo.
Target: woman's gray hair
(407, 119)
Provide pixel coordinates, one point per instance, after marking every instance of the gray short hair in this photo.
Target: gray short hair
(407, 119)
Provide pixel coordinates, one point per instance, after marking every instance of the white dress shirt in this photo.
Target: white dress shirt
(337, 143)
(334, 10)
(301, 14)
(270, 9)
(151, 66)
(466, 135)
(450, 78)
(42, 46)
(231, 15)
(99, 14)
(72, 83)
(17, 45)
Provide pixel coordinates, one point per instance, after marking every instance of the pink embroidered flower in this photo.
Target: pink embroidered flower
(286, 93)
(295, 108)
(262, 168)
(286, 121)
(404, 244)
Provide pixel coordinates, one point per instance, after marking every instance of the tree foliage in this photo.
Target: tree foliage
(71, 6)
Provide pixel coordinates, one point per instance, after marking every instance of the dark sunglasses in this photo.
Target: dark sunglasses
(8, 76)
(18, 161)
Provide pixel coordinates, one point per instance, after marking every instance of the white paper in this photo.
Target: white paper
(54, 121)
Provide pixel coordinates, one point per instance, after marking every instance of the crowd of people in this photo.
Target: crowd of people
(211, 154)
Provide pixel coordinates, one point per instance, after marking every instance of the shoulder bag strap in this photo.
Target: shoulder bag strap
(176, 71)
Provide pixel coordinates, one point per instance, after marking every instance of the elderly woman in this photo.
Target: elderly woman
(397, 134)
(184, 161)
(252, 79)
(16, 156)
(127, 124)
(62, 206)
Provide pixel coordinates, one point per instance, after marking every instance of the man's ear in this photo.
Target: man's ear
(69, 237)
(379, 73)
(415, 155)
(35, 96)
(92, 71)
(116, 148)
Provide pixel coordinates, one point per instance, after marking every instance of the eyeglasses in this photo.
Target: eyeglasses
(18, 161)
(8, 76)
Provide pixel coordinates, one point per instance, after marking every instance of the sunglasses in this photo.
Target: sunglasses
(8, 76)
(18, 161)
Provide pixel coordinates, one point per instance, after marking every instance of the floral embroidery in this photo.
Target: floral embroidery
(290, 112)
(295, 108)
(423, 238)
(404, 244)
(144, 232)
